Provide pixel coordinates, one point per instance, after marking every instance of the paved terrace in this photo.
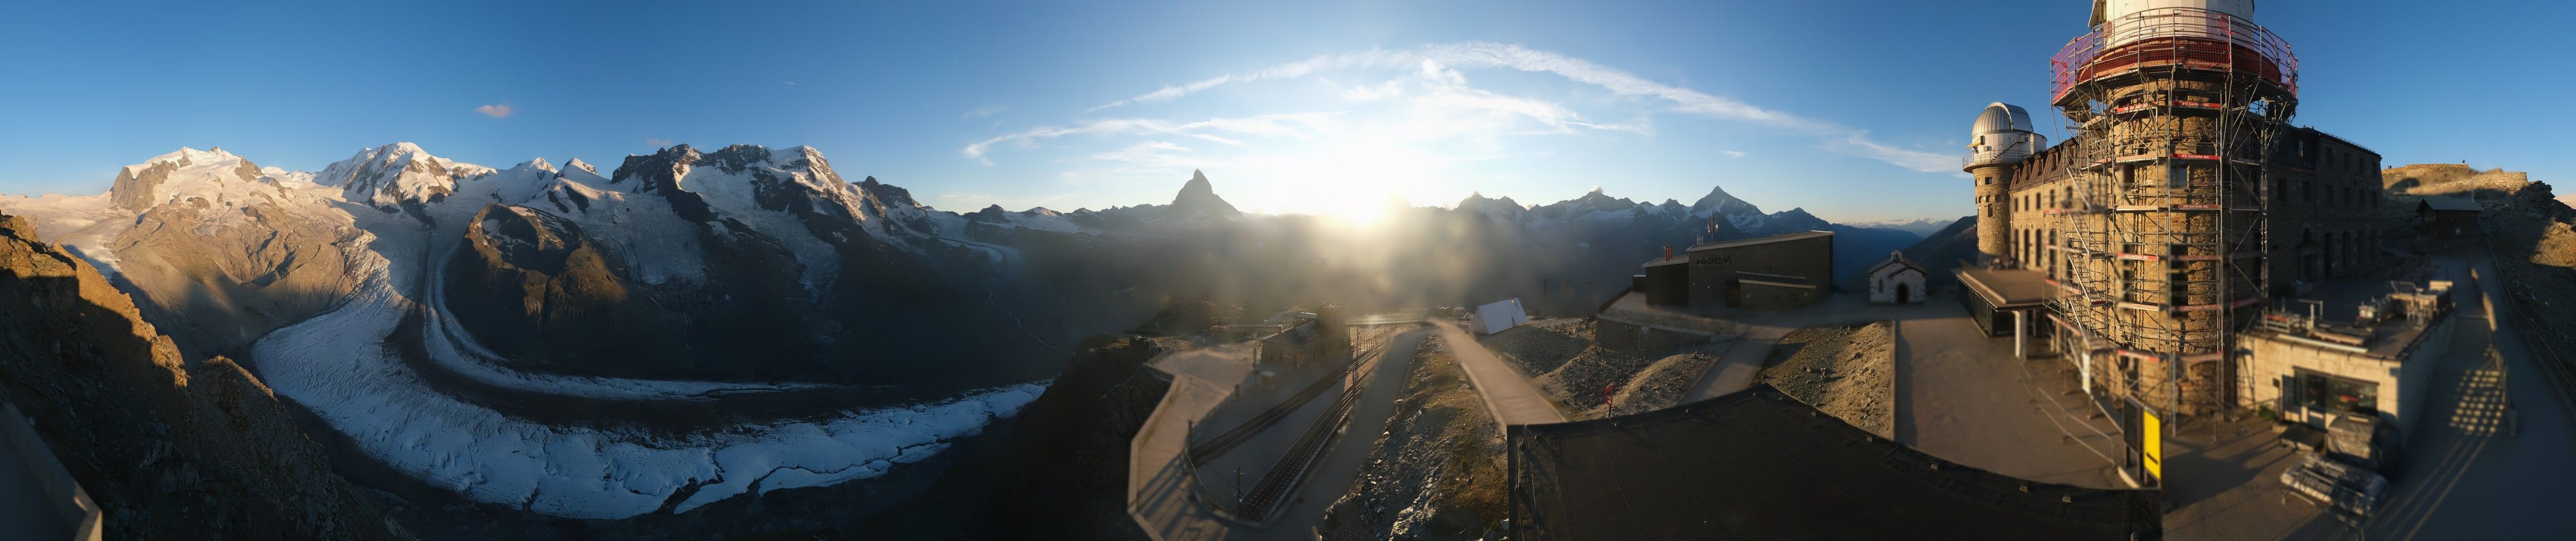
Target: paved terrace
(1960, 395)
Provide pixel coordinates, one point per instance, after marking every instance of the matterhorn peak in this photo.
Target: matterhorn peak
(1198, 198)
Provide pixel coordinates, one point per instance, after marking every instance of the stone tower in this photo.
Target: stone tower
(2001, 138)
(2174, 103)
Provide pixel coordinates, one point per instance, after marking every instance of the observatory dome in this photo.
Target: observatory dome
(2003, 134)
(1999, 117)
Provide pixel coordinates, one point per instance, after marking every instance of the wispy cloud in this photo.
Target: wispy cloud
(1421, 124)
(981, 112)
(1289, 70)
(497, 110)
(657, 141)
(1484, 55)
(1282, 125)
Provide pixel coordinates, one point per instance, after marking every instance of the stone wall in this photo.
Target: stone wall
(1621, 336)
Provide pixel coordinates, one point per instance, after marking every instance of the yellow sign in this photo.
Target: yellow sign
(2154, 444)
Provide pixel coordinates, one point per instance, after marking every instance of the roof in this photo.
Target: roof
(1894, 257)
(2007, 288)
(1738, 243)
(1297, 336)
(2453, 203)
(2000, 116)
(1769, 279)
(1758, 464)
(1661, 261)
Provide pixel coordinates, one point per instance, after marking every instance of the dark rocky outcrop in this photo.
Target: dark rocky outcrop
(538, 291)
(889, 193)
(136, 190)
(170, 447)
(1063, 472)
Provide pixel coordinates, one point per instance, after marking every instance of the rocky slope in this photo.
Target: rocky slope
(173, 447)
(1436, 473)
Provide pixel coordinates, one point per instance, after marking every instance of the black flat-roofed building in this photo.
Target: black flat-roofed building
(1758, 464)
(1780, 271)
(1668, 281)
(2448, 218)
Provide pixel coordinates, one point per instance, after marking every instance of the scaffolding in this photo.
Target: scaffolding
(2174, 113)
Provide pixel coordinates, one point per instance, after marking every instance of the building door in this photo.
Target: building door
(1904, 293)
(1734, 294)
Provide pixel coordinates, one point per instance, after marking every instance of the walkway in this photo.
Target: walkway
(1741, 364)
(1511, 397)
(1333, 476)
(1159, 485)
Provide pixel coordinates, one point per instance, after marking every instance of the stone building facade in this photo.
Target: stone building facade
(2323, 200)
(2182, 201)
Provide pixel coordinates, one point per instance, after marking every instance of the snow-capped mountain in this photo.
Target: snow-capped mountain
(395, 174)
(1919, 226)
(1733, 218)
(715, 278)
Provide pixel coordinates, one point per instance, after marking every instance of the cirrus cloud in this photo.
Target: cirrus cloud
(1484, 55)
(497, 110)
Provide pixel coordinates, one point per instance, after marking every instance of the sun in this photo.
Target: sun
(1351, 182)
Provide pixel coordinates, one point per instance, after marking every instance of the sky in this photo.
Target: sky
(1855, 111)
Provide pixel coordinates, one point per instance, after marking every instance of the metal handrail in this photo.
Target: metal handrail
(2069, 67)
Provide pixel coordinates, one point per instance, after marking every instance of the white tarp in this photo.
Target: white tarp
(1502, 314)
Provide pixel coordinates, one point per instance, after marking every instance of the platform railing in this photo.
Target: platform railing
(2073, 62)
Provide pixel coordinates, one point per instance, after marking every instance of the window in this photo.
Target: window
(2322, 392)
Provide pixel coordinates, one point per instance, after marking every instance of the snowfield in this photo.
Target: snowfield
(336, 365)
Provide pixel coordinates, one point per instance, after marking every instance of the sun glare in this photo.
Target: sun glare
(1356, 181)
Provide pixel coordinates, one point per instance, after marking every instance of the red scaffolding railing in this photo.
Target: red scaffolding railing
(2190, 37)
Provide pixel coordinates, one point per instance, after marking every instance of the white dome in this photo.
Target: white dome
(2000, 116)
(2003, 134)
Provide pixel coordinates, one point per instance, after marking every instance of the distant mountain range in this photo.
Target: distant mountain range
(695, 324)
(1919, 226)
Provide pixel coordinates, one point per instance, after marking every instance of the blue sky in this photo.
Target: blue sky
(1852, 110)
